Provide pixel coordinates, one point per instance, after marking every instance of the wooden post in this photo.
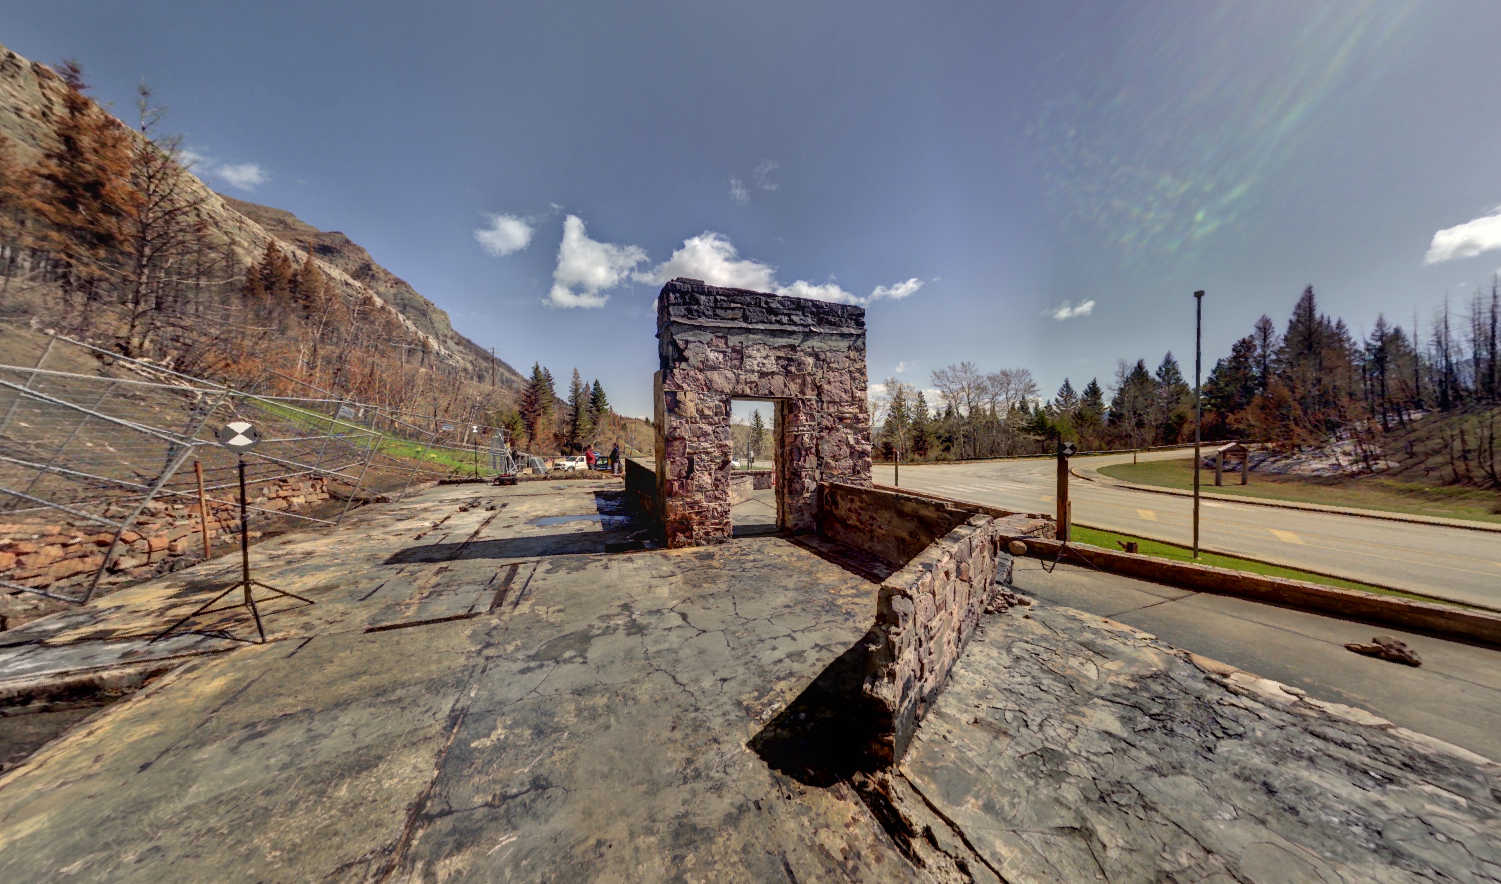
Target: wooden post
(202, 508)
(1245, 466)
(1063, 504)
(1219, 468)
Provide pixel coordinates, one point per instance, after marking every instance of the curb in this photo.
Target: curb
(1338, 577)
(1483, 627)
(1434, 521)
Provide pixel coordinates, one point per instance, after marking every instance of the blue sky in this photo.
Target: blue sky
(970, 171)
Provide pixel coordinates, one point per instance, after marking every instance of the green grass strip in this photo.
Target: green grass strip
(1158, 549)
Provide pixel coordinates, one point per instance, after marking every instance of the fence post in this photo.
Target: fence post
(202, 508)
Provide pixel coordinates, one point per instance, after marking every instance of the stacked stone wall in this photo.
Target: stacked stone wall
(925, 614)
(889, 524)
(716, 344)
(57, 556)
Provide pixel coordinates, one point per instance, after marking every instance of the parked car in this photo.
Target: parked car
(734, 463)
(571, 463)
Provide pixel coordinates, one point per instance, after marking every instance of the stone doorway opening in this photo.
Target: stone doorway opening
(755, 494)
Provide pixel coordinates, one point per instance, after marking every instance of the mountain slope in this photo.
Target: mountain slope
(336, 249)
(31, 103)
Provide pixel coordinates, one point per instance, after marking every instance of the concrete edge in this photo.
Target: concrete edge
(1245, 558)
(1482, 627)
(79, 683)
(1092, 474)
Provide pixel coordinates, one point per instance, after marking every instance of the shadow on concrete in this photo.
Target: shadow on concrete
(857, 562)
(820, 738)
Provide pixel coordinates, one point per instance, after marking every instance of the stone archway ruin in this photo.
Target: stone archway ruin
(717, 344)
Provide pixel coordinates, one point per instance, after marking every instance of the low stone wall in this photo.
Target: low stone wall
(741, 488)
(641, 489)
(760, 479)
(925, 614)
(56, 556)
(889, 524)
(950, 556)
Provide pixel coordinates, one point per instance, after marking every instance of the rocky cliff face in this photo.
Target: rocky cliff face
(31, 100)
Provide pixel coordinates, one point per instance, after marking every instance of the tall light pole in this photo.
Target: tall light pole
(1198, 405)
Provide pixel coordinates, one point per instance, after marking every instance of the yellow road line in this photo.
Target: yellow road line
(1286, 536)
(1146, 515)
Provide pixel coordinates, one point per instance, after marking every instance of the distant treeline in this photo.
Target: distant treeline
(542, 422)
(1311, 384)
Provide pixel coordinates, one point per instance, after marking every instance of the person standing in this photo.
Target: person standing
(589, 458)
(615, 459)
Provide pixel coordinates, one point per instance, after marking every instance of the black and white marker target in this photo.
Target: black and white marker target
(239, 436)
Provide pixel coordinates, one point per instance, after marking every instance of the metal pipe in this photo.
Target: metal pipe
(1198, 405)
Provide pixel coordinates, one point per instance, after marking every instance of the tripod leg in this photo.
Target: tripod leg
(255, 612)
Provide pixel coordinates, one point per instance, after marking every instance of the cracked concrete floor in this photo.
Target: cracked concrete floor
(472, 697)
(502, 684)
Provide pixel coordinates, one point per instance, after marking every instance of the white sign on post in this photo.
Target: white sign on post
(239, 436)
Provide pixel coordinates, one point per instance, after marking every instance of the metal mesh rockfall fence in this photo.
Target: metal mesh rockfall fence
(101, 459)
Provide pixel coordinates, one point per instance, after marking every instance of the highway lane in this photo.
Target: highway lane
(1452, 563)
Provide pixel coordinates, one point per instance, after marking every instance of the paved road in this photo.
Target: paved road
(1451, 563)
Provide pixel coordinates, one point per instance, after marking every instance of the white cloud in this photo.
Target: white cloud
(586, 267)
(713, 258)
(1467, 240)
(903, 366)
(189, 158)
(826, 292)
(504, 235)
(244, 176)
(898, 291)
(738, 194)
(1064, 311)
(763, 174)
(1067, 312)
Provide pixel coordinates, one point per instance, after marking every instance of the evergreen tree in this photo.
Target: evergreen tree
(1174, 401)
(308, 286)
(599, 404)
(757, 437)
(1266, 343)
(1232, 384)
(537, 407)
(922, 441)
(580, 421)
(1089, 420)
(1316, 365)
(1066, 400)
(1131, 408)
(276, 274)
